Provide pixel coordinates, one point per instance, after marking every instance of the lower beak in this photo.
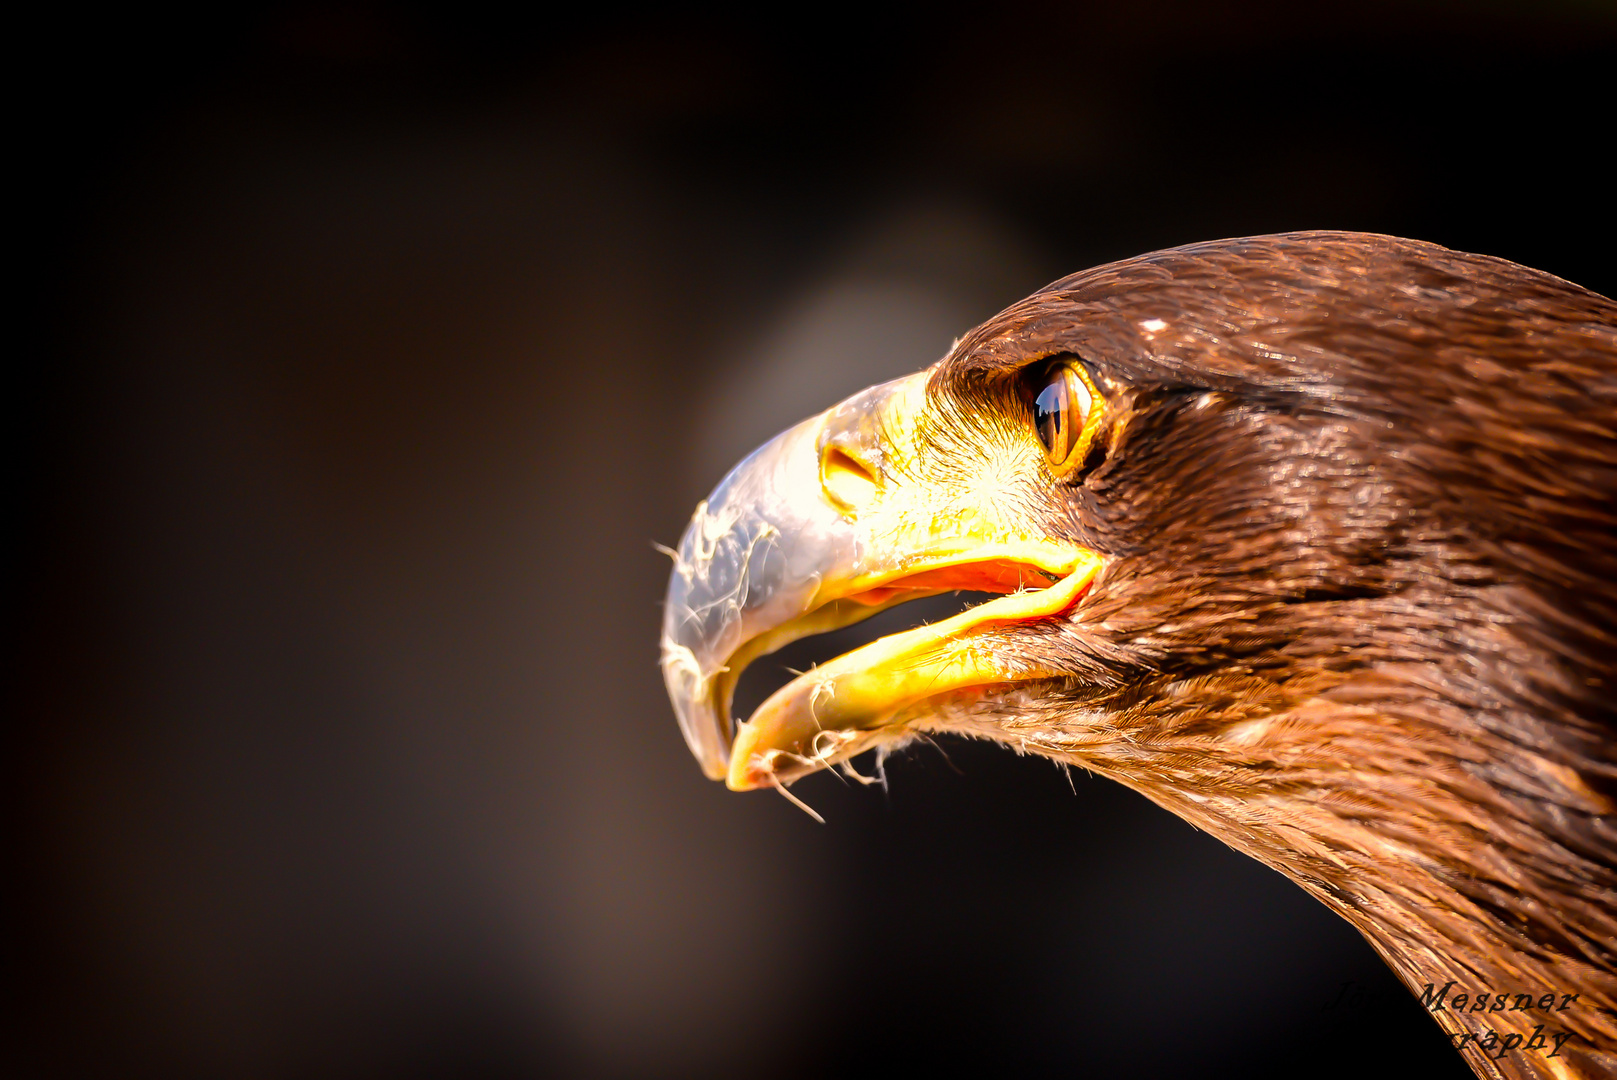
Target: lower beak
(863, 698)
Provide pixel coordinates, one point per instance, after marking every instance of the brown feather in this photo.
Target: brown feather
(1360, 619)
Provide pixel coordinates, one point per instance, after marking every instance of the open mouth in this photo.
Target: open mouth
(861, 697)
(865, 615)
(767, 674)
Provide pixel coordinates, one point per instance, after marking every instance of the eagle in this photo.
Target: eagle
(1310, 538)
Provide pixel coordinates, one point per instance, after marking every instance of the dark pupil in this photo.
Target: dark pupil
(1049, 413)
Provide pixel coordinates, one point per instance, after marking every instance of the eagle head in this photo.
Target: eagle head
(1309, 538)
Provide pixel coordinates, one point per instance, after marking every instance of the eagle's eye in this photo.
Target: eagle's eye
(1064, 413)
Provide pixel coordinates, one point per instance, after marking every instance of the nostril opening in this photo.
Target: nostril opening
(847, 481)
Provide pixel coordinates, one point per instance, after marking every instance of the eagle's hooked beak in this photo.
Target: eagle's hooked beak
(824, 526)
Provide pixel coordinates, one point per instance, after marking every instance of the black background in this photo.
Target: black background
(367, 350)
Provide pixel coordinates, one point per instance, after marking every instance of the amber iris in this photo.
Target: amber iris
(1061, 412)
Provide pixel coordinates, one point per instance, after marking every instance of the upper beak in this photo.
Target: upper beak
(825, 525)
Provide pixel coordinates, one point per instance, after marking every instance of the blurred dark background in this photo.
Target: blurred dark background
(367, 350)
